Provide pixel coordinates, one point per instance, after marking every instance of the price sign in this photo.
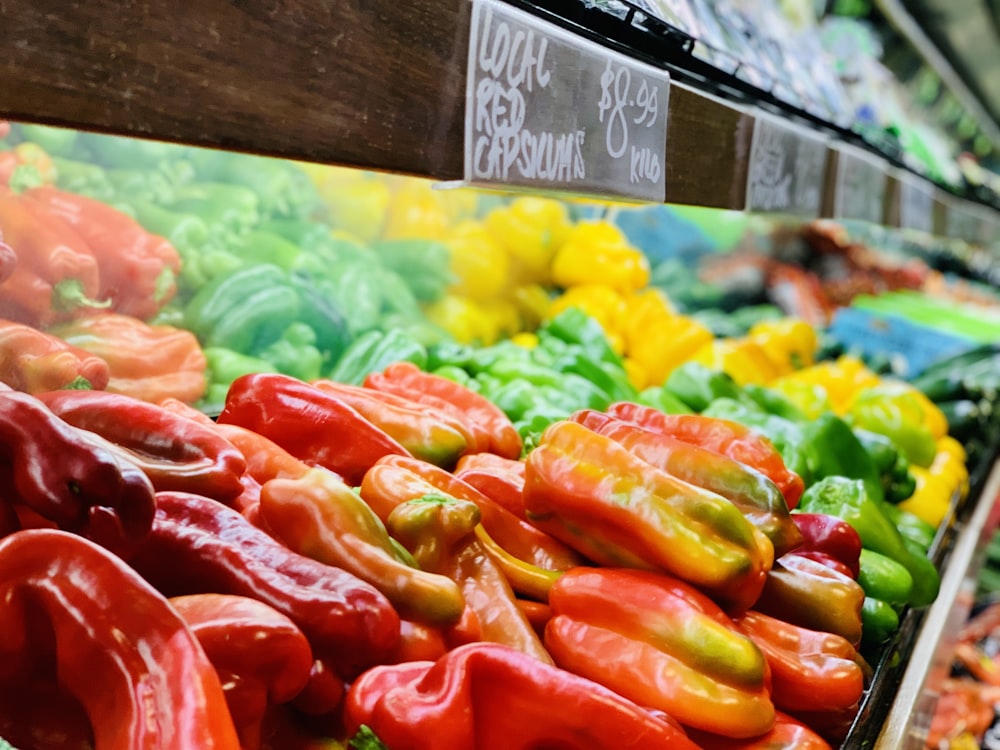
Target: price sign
(787, 168)
(550, 110)
(860, 186)
(961, 222)
(916, 203)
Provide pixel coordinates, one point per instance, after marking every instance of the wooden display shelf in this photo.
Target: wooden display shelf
(366, 83)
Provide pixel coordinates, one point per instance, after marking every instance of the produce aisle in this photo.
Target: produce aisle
(492, 469)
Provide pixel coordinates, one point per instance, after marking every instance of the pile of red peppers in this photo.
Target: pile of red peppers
(328, 564)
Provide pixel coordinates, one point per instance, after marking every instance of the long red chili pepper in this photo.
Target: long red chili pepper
(177, 453)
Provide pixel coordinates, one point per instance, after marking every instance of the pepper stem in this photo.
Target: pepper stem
(68, 295)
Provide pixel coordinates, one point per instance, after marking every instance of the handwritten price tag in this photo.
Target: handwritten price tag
(551, 110)
(787, 168)
(861, 184)
(916, 203)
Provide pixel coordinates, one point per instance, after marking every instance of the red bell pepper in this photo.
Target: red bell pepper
(621, 511)
(810, 670)
(787, 734)
(138, 270)
(663, 644)
(500, 479)
(832, 536)
(312, 425)
(35, 361)
(481, 414)
(260, 656)
(56, 274)
(427, 433)
(492, 697)
(67, 477)
(440, 533)
(175, 452)
(721, 436)
(72, 609)
(200, 546)
(809, 594)
(748, 489)
(319, 516)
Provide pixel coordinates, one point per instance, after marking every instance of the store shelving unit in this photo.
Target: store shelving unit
(382, 85)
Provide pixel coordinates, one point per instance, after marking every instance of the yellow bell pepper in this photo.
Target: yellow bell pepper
(504, 315)
(479, 263)
(790, 343)
(636, 373)
(950, 464)
(667, 345)
(532, 302)
(599, 301)
(416, 211)
(931, 500)
(811, 398)
(463, 319)
(357, 202)
(597, 252)
(525, 339)
(644, 310)
(842, 380)
(740, 358)
(530, 229)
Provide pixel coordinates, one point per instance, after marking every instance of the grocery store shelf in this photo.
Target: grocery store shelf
(377, 84)
(929, 661)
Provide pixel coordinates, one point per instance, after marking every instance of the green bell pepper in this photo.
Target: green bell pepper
(774, 402)
(141, 184)
(258, 246)
(838, 452)
(357, 293)
(373, 352)
(847, 499)
(323, 315)
(111, 151)
(660, 398)
(892, 411)
(54, 141)
(227, 209)
(244, 311)
(223, 367)
(185, 232)
(575, 327)
(295, 353)
(425, 265)
(698, 386)
(83, 178)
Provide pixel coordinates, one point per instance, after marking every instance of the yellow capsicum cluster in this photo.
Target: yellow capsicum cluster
(938, 484)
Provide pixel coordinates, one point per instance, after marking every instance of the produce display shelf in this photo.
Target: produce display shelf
(896, 710)
(381, 85)
(377, 85)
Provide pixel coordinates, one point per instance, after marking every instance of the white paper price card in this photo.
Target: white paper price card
(787, 168)
(860, 186)
(550, 110)
(916, 203)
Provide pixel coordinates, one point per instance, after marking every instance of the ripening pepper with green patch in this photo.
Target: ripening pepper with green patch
(319, 516)
(725, 436)
(427, 433)
(753, 493)
(440, 531)
(618, 510)
(663, 644)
